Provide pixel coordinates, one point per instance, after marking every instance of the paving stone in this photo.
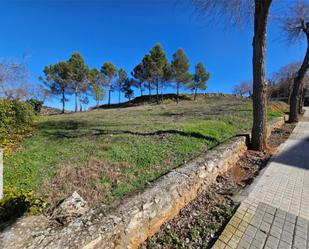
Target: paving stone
(272, 242)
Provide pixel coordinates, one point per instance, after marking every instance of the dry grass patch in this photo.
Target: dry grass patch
(93, 180)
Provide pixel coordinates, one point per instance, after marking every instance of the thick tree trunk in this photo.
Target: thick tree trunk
(298, 85)
(259, 96)
(177, 92)
(195, 93)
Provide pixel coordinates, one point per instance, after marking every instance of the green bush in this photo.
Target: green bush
(36, 105)
(16, 120)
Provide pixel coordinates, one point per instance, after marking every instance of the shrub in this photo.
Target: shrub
(36, 105)
(16, 119)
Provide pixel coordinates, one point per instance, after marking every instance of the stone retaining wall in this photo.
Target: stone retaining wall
(134, 219)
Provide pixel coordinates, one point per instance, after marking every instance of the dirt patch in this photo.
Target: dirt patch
(199, 224)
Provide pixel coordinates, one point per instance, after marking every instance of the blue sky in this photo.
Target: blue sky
(123, 31)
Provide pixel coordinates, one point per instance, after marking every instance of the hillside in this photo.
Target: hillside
(106, 154)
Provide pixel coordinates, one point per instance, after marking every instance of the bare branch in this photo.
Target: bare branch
(295, 21)
(235, 11)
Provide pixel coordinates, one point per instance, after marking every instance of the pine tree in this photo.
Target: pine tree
(110, 71)
(158, 65)
(78, 74)
(57, 79)
(200, 78)
(122, 77)
(97, 81)
(180, 69)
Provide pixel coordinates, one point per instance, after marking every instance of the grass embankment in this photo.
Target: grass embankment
(106, 154)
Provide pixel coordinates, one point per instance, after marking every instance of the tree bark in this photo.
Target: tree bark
(109, 97)
(177, 92)
(63, 100)
(259, 96)
(157, 91)
(149, 90)
(298, 85)
(195, 93)
(76, 100)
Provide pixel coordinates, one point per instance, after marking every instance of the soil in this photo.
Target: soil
(200, 223)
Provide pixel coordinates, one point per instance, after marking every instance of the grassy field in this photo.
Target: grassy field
(105, 154)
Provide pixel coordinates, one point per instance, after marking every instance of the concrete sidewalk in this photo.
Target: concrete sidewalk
(276, 212)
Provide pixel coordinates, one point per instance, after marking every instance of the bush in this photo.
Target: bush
(16, 119)
(36, 105)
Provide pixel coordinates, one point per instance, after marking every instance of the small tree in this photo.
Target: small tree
(14, 81)
(148, 74)
(180, 69)
(122, 77)
(97, 81)
(110, 71)
(282, 81)
(200, 78)
(296, 26)
(78, 76)
(127, 88)
(158, 65)
(57, 79)
(243, 88)
(139, 77)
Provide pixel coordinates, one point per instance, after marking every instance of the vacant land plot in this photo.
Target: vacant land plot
(106, 154)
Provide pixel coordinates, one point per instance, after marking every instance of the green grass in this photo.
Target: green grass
(149, 139)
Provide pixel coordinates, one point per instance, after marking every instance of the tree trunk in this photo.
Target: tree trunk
(298, 85)
(157, 91)
(109, 97)
(177, 92)
(149, 91)
(76, 100)
(63, 101)
(259, 96)
(195, 93)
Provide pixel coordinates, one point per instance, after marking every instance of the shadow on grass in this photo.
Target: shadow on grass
(73, 129)
(158, 133)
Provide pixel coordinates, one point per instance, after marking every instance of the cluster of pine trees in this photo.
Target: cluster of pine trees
(154, 72)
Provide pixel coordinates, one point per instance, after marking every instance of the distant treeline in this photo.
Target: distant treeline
(153, 73)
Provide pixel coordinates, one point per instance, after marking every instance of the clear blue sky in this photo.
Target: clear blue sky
(122, 31)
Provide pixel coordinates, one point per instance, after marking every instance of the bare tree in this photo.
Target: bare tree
(296, 26)
(14, 80)
(235, 10)
(243, 88)
(283, 81)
